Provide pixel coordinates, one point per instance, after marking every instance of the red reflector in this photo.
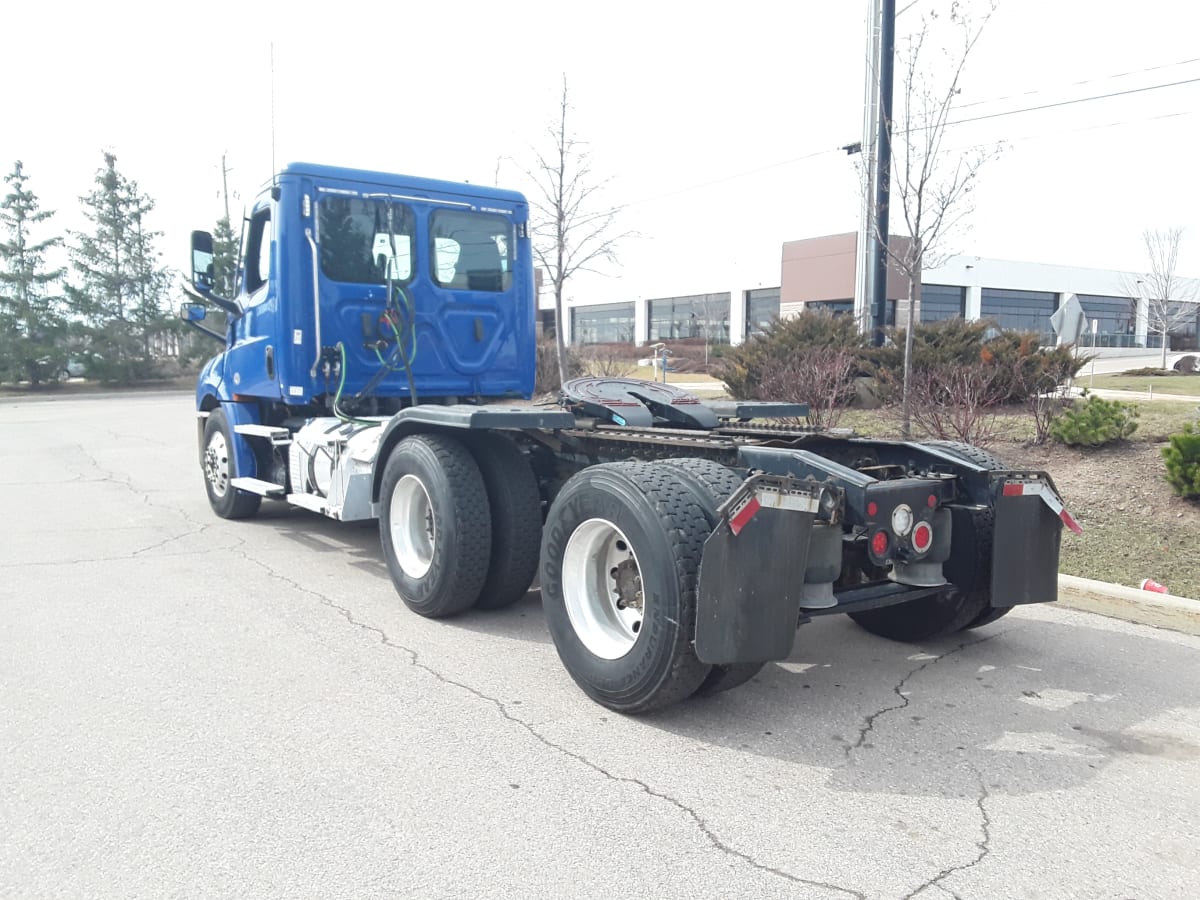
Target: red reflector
(922, 536)
(1013, 490)
(745, 514)
(879, 543)
(932, 501)
(872, 508)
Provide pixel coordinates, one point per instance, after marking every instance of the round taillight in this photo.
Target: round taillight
(879, 543)
(922, 537)
(932, 501)
(872, 509)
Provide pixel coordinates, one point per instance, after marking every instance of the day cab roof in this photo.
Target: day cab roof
(396, 183)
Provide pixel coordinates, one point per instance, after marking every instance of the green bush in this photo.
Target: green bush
(744, 367)
(1014, 361)
(1094, 423)
(1182, 457)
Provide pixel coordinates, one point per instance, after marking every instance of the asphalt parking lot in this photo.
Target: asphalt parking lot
(196, 707)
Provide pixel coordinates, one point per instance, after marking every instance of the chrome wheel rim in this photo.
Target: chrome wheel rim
(602, 588)
(216, 464)
(413, 527)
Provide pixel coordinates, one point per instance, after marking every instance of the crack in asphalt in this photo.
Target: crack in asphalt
(869, 722)
(984, 845)
(501, 707)
(126, 482)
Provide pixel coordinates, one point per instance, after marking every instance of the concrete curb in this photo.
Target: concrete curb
(1130, 604)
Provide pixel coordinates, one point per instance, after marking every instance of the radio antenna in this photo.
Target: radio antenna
(273, 173)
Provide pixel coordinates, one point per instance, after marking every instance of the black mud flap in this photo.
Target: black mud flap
(1025, 550)
(752, 572)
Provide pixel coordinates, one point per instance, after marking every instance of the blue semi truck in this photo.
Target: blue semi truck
(377, 364)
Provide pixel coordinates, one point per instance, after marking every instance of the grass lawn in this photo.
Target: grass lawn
(1188, 385)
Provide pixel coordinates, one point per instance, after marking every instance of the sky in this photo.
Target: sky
(716, 127)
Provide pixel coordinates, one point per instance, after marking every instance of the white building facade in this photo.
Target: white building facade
(820, 273)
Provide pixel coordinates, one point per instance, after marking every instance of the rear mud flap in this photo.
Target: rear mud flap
(1025, 551)
(752, 579)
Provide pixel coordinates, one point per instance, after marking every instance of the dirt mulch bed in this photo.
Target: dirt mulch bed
(1134, 527)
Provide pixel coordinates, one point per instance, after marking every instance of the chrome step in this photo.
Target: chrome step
(277, 436)
(315, 502)
(257, 486)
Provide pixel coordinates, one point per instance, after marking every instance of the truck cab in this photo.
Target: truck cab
(420, 288)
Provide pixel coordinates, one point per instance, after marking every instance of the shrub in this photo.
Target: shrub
(1094, 423)
(782, 344)
(603, 361)
(1150, 372)
(957, 402)
(822, 377)
(1182, 458)
(1022, 367)
(546, 374)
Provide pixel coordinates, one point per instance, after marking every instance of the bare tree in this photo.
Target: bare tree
(571, 227)
(1169, 298)
(933, 184)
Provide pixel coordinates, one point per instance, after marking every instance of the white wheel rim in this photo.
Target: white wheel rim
(216, 464)
(607, 625)
(413, 527)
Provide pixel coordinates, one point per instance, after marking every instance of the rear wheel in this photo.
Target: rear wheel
(516, 508)
(434, 524)
(925, 619)
(220, 468)
(620, 559)
(713, 484)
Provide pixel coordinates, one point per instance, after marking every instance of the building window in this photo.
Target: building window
(846, 308)
(1021, 310)
(703, 316)
(1116, 318)
(762, 307)
(942, 301)
(610, 323)
(1182, 325)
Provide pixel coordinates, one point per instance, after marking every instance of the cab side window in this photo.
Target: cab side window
(258, 250)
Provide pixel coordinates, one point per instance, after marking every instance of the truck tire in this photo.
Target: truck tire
(713, 483)
(220, 468)
(973, 454)
(516, 506)
(970, 453)
(639, 526)
(434, 524)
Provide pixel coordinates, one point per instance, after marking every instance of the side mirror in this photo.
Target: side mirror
(192, 312)
(202, 262)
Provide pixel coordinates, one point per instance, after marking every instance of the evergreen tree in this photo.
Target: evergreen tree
(32, 325)
(120, 282)
(225, 261)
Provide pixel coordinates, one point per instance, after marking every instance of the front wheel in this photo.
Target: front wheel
(434, 524)
(620, 560)
(220, 468)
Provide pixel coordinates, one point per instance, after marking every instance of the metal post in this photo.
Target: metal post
(883, 170)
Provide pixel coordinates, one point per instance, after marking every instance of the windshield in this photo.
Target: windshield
(365, 241)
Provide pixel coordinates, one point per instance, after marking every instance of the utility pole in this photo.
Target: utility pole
(225, 170)
(865, 272)
(883, 171)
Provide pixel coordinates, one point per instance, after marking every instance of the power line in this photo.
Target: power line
(1013, 112)
(1102, 78)
(1065, 131)
(749, 172)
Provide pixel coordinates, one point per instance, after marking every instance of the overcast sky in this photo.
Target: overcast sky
(718, 123)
